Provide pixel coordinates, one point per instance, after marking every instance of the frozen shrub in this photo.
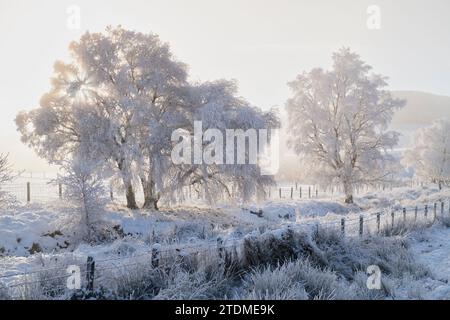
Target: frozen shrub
(297, 279)
(320, 284)
(400, 228)
(272, 249)
(83, 186)
(198, 285)
(4, 293)
(357, 289)
(139, 282)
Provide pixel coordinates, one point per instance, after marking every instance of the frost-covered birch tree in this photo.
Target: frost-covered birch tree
(338, 122)
(218, 108)
(430, 153)
(6, 172)
(118, 101)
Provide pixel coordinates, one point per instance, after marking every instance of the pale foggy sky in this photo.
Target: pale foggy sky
(261, 44)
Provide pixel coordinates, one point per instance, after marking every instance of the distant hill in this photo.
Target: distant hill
(421, 108)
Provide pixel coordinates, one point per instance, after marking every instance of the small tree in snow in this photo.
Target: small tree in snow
(338, 121)
(430, 153)
(6, 175)
(84, 187)
(109, 102)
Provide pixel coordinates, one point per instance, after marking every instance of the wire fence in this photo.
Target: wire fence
(52, 282)
(43, 188)
(297, 190)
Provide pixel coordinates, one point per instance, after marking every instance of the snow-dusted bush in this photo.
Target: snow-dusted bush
(4, 293)
(119, 100)
(279, 264)
(339, 258)
(83, 186)
(268, 248)
(444, 220)
(136, 282)
(300, 279)
(268, 283)
(195, 285)
(347, 256)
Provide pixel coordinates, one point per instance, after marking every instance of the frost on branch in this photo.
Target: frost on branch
(6, 175)
(338, 122)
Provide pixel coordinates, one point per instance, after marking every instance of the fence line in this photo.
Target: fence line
(36, 190)
(155, 254)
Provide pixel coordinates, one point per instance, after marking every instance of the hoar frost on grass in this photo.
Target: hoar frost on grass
(285, 264)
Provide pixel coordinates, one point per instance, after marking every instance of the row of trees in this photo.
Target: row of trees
(115, 106)
(338, 121)
(112, 110)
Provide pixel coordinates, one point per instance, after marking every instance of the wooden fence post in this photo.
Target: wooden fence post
(317, 193)
(220, 247)
(292, 192)
(60, 190)
(392, 218)
(343, 226)
(434, 211)
(309, 191)
(415, 213)
(28, 192)
(156, 254)
(378, 222)
(426, 211)
(442, 207)
(404, 214)
(279, 191)
(300, 192)
(361, 225)
(90, 269)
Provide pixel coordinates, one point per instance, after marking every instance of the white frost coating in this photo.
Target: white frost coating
(338, 122)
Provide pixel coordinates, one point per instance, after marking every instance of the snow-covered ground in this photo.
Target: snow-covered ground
(34, 237)
(431, 248)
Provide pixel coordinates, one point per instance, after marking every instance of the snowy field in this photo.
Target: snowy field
(38, 241)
